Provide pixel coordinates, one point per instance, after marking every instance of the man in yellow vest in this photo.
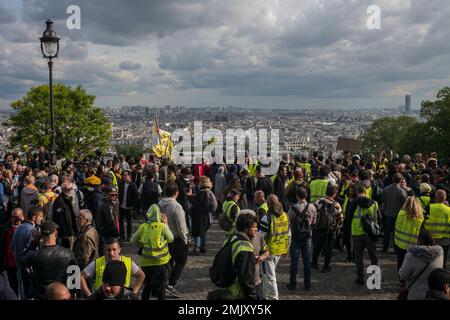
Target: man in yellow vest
(438, 223)
(275, 230)
(260, 204)
(318, 187)
(306, 167)
(243, 258)
(364, 205)
(94, 271)
(154, 237)
(113, 284)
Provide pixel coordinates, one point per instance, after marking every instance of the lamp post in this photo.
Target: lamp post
(50, 49)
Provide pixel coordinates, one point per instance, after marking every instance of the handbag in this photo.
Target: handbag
(403, 295)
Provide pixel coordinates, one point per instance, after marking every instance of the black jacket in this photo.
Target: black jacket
(245, 266)
(132, 194)
(49, 264)
(6, 293)
(64, 216)
(280, 191)
(138, 178)
(182, 189)
(150, 194)
(265, 185)
(106, 219)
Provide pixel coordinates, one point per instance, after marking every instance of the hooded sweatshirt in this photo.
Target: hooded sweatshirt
(29, 198)
(175, 217)
(153, 215)
(415, 261)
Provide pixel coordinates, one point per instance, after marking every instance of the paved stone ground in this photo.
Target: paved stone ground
(336, 285)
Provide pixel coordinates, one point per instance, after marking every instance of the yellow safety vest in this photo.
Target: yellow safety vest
(306, 167)
(114, 179)
(156, 249)
(318, 189)
(272, 178)
(236, 248)
(357, 228)
(279, 235)
(100, 264)
(424, 201)
(252, 169)
(438, 223)
(226, 209)
(406, 230)
(265, 207)
(369, 192)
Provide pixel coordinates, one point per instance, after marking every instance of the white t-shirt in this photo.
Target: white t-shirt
(90, 269)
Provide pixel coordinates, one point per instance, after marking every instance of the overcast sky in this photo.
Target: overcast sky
(256, 53)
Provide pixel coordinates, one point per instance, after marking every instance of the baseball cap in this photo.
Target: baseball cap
(111, 190)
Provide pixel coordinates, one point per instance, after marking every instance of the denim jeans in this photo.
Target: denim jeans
(200, 242)
(305, 248)
(270, 278)
(389, 224)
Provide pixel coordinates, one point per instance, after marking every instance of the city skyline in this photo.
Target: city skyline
(267, 54)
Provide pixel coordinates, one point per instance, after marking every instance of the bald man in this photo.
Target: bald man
(57, 291)
(260, 204)
(438, 222)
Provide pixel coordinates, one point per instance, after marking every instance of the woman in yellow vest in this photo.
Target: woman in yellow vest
(154, 237)
(275, 230)
(407, 227)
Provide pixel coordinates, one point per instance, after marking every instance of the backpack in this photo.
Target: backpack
(326, 220)
(370, 227)
(222, 272)
(301, 228)
(224, 222)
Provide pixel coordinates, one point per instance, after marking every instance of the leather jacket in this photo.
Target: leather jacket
(49, 264)
(106, 219)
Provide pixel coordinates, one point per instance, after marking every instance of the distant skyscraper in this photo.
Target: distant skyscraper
(408, 104)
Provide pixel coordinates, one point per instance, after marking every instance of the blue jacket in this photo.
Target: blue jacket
(21, 239)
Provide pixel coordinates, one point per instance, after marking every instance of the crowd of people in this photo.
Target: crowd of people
(53, 218)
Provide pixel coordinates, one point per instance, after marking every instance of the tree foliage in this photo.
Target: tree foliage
(130, 150)
(81, 128)
(386, 134)
(406, 135)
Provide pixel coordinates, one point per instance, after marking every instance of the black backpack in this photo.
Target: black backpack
(301, 228)
(370, 227)
(222, 272)
(326, 220)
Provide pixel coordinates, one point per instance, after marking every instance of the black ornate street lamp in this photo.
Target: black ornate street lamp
(50, 49)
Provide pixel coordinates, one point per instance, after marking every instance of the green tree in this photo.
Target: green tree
(130, 150)
(437, 114)
(81, 128)
(386, 133)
